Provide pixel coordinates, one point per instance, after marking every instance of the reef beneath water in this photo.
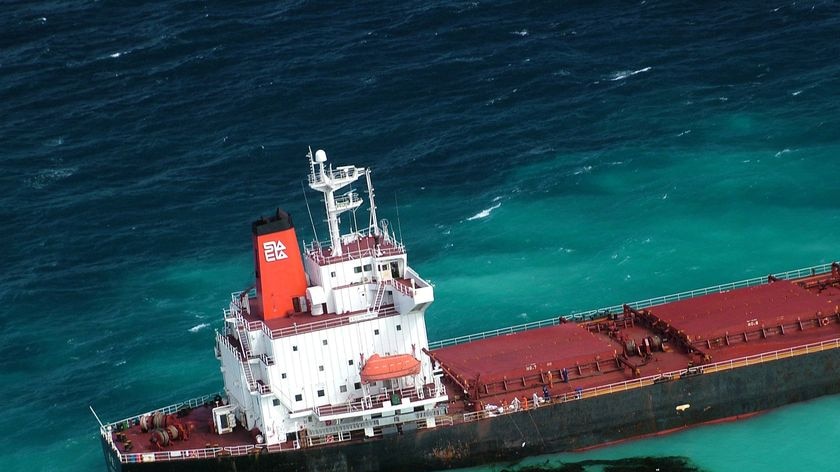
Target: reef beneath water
(628, 464)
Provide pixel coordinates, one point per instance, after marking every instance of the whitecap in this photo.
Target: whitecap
(520, 33)
(583, 170)
(484, 213)
(796, 93)
(115, 55)
(627, 73)
(198, 327)
(688, 131)
(47, 177)
(783, 151)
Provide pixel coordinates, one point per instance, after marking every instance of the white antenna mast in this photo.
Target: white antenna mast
(374, 224)
(327, 182)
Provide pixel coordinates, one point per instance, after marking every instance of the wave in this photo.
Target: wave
(198, 327)
(484, 213)
(628, 73)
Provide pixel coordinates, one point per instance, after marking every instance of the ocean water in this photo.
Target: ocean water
(538, 158)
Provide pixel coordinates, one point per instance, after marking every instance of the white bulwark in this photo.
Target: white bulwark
(348, 362)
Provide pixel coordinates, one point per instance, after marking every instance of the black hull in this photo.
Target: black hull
(555, 428)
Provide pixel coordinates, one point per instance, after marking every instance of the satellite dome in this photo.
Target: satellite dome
(320, 156)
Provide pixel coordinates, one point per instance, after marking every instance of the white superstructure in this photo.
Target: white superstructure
(332, 350)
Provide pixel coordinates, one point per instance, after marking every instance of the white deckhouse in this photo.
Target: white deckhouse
(328, 344)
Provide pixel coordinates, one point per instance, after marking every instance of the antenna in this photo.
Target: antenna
(373, 222)
(399, 224)
(302, 189)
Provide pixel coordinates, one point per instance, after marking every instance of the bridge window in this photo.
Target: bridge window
(320, 368)
(294, 348)
(357, 385)
(283, 375)
(298, 398)
(324, 342)
(275, 402)
(343, 388)
(357, 269)
(376, 331)
(399, 327)
(350, 362)
(367, 267)
(321, 392)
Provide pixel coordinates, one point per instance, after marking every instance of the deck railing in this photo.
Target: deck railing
(668, 376)
(204, 453)
(586, 315)
(191, 403)
(413, 394)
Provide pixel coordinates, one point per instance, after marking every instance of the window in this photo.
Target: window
(399, 327)
(320, 368)
(367, 267)
(294, 348)
(275, 402)
(321, 392)
(357, 269)
(343, 388)
(357, 385)
(324, 342)
(298, 398)
(283, 375)
(350, 362)
(376, 331)
(332, 274)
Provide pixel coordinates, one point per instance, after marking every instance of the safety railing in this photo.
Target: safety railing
(330, 322)
(586, 315)
(383, 399)
(668, 376)
(243, 363)
(205, 453)
(173, 408)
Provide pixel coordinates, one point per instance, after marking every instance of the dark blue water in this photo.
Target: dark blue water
(546, 157)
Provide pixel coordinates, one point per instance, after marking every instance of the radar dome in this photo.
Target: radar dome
(320, 156)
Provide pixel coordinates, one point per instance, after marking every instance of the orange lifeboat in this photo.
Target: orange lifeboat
(389, 367)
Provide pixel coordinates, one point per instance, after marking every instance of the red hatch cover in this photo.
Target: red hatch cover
(744, 309)
(524, 354)
(389, 367)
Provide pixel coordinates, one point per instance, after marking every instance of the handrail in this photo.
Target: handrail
(203, 453)
(676, 374)
(191, 403)
(586, 315)
(323, 324)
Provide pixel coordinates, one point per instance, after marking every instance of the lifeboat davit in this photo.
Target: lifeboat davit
(389, 367)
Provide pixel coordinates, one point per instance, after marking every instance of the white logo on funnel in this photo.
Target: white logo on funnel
(274, 251)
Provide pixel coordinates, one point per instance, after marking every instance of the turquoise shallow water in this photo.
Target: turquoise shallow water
(546, 157)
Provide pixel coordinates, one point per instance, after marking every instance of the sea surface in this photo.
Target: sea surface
(537, 158)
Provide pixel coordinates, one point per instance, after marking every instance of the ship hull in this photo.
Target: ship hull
(555, 428)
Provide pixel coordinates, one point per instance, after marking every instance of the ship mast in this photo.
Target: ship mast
(327, 180)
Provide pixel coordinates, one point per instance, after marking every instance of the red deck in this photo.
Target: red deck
(197, 422)
(744, 322)
(745, 310)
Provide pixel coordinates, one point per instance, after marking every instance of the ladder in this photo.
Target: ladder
(377, 299)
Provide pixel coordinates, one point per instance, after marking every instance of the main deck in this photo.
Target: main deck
(575, 358)
(622, 344)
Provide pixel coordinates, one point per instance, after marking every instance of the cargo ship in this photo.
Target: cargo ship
(327, 366)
